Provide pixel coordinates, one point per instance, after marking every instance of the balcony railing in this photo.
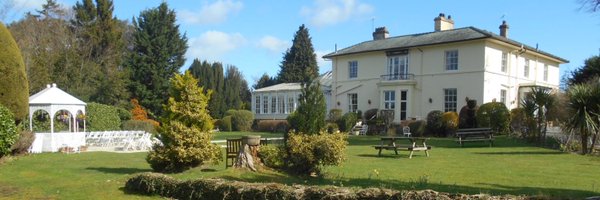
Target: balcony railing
(397, 77)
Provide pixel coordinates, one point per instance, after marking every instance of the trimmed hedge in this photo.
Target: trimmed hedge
(102, 117)
(435, 125)
(276, 126)
(139, 125)
(225, 124)
(418, 128)
(241, 120)
(347, 122)
(159, 184)
(14, 93)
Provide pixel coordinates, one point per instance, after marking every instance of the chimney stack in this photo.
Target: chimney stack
(380, 33)
(504, 29)
(442, 23)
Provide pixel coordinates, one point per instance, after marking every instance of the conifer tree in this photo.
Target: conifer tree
(309, 117)
(158, 53)
(185, 132)
(300, 61)
(14, 87)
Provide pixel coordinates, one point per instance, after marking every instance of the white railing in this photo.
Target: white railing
(111, 140)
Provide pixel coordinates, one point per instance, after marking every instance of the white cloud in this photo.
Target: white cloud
(213, 13)
(273, 44)
(329, 12)
(212, 45)
(324, 65)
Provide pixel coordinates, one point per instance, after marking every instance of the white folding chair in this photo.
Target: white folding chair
(406, 131)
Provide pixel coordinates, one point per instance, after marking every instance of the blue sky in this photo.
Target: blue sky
(253, 35)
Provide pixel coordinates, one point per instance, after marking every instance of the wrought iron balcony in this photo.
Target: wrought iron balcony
(397, 77)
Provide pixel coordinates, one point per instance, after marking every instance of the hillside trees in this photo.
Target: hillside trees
(300, 61)
(265, 81)
(13, 80)
(157, 54)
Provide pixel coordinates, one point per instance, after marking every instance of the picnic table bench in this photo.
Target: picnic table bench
(415, 144)
(475, 135)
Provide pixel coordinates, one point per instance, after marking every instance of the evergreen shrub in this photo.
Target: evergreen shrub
(226, 124)
(272, 156)
(276, 126)
(494, 115)
(307, 153)
(14, 92)
(102, 117)
(347, 122)
(435, 125)
(334, 115)
(8, 131)
(418, 128)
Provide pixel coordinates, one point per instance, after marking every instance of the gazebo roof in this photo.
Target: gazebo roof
(54, 95)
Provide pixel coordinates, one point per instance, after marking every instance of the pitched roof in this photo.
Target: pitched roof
(432, 38)
(280, 87)
(54, 95)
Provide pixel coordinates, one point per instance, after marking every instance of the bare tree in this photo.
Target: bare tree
(590, 5)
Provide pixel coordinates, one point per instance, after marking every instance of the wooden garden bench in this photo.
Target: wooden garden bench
(475, 135)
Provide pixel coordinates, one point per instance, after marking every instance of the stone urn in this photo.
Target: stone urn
(251, 140)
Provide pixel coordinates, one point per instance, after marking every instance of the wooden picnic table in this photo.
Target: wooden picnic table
(414, 144)
(475, 135)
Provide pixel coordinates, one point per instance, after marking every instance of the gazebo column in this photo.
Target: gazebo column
(30, 120)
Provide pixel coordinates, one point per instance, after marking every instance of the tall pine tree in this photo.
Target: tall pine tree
(300, 61)
(157, 55)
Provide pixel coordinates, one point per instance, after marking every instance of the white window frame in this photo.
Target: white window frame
(352, 102)
(450, 99)
(353, 69)
(451, 60)
(265, 104)
(526, 68)
(257, 104)
(403, 104)
(545, 72)
(281, 103)
(274, 104)
(504, 62)
(397, 67)
(503, 96)
(291, 106)
(389, 99)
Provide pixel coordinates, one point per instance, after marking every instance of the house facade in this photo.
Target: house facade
(415, 74)
(277, 102)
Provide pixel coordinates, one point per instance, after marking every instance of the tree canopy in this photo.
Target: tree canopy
(588, 71)
(157, 54)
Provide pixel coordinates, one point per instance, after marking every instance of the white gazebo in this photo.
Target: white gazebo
(52, 100)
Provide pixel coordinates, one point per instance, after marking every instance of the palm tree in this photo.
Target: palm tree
(583, 106)
(536, 105)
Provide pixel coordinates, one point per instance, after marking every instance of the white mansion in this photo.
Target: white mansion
(415, 74)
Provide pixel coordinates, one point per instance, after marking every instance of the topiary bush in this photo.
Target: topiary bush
(467, 116)
(8, 130)
(418, 128)
(14, 92)
(334, 115)
(273, 156)
(102, 117)
(22, 145)
(225, 124)
(138, 125)
(494, 115)
(241, 120)
(450, 123)
(347, 122)
(435, 125)
(307, 153)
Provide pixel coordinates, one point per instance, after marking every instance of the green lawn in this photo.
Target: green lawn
(511, 167)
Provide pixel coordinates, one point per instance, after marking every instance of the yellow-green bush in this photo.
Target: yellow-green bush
(272, 156)
(14, 92)
(102, 117)
(8, 131)
(308, 152)
(225, 124)
(185, 131)
(241, 120)
(139, 125)
(450, 122)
